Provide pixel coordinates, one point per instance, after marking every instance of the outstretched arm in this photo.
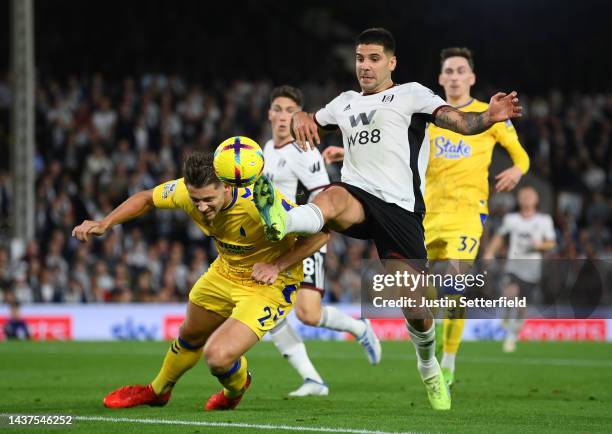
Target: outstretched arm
(303, 248)
(501, 107)
(136, 205)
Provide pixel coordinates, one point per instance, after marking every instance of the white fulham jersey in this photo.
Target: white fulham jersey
(523, 260)
(385, 140)
(298, 174)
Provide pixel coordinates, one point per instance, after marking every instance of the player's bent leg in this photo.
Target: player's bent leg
(308, 309)
(277, 215)
(340, 209)
(184, 353)
(308, 306)
(361, 329)
(290, 345)
(224, 355)
(335, 207)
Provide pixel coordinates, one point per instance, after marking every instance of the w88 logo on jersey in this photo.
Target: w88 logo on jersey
(364, 137)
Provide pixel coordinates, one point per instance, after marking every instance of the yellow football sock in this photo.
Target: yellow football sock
(180, 358)
(453, 329)
(234, 380)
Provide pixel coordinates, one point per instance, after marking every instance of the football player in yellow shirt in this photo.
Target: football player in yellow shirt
(246, 291)
(457, 185)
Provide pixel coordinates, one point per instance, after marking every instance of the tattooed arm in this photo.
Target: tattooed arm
(501, 108)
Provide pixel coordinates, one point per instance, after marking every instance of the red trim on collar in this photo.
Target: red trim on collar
(291, 140)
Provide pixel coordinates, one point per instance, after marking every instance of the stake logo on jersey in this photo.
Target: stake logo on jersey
(445, 148)
(385, 138)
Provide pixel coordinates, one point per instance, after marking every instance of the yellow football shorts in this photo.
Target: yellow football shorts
(453, 236)
(234, 294)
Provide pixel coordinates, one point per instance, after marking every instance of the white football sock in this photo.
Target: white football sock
(293, 349)
(448, 361)
(332, 318)
(425, 346)
(304, 219)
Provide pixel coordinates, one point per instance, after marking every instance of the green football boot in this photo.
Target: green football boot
(449, 377)
(437, 392)
(269, 204)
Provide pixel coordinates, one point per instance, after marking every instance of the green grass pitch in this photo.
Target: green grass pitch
(543, 387)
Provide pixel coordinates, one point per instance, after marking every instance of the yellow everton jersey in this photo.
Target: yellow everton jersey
(237, 229)
(458, 171)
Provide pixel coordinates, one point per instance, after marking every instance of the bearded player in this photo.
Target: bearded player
(458, 188)
(384, 129)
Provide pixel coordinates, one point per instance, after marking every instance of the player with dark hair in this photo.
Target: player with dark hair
(300, 175)
(458, 187)
(384, 129)
(229, 310)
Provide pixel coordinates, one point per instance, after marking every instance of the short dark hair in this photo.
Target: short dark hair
(293, 93)
(464, 52)
(378, 36)
(198, 170)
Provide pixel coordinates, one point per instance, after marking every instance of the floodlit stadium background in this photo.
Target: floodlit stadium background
(125, 89)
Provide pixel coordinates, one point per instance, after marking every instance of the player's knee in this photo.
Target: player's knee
(331, 202)
(308, 315)
(218, 357)
(191, 335)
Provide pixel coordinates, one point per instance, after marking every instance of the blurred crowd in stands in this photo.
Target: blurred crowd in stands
(99, 141)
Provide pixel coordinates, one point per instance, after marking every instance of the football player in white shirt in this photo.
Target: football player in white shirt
(300, 175)
(381, 193)
(531, 233)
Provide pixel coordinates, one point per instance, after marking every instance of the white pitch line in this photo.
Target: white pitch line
(484, 360)
(231, 425)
